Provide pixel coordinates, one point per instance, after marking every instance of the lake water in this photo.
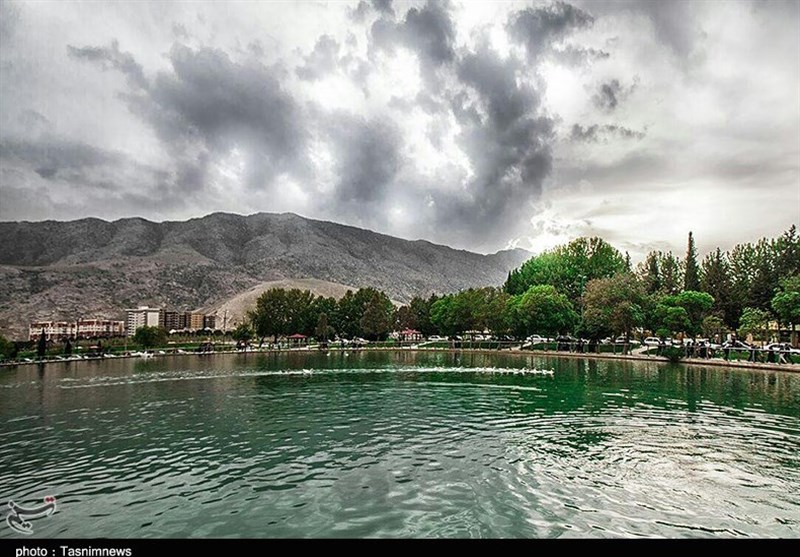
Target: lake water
(398, 444)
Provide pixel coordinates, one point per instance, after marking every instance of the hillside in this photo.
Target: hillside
(64, 270)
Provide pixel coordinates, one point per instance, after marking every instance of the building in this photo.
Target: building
(210, 322)
(194, 321)
(142, 316)
(53, 330)
(172, 321)
(409, 335)
(94, 328)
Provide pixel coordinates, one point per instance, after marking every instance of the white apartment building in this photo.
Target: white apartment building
(143, 316)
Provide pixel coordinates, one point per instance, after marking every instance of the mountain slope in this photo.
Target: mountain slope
(62, 270)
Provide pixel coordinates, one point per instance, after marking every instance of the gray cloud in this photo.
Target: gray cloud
(383, 6)
(225, 104)
(537, 28)
(321, 61)
(9, 17)
(179, 31)
(578, 56)
(55, 163)
(428, 31)
(367, 160)
(110, 57)
(596, 132)
(461, 155)
(509, 145)
(610, 94)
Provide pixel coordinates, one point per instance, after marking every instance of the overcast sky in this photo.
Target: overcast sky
(481, 125)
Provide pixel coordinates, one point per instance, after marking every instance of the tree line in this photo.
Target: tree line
(587, 288)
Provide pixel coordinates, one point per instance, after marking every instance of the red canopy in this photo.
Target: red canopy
(297, 336)
(410, 332)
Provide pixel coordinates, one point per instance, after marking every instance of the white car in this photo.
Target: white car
(536, 339)
(783, 347)
(621, 340)
(652, 341)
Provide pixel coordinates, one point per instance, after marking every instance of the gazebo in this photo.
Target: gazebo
(297, 339)
(410, 335)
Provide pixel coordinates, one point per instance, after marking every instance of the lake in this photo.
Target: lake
(398, 444)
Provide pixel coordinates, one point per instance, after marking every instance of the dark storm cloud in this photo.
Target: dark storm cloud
(537, 28)
(110, 57)
(225, 104)
(610, 94)
(504, 136)
(210, 104)
(428, 31)
(321, 61)
(76, 164)
(368, 159)
(596, 132)
(52, 156)
(363, 8)
(578, 56)
(383, 6)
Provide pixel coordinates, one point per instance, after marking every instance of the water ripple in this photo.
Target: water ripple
(403, 445)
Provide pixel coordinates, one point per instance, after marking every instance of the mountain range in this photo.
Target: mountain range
(92, 267)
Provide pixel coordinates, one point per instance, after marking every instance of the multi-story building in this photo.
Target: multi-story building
(142, 316)
(195, 321)
(172, 321)
(93, 328)
(210, 322)
(53, 330)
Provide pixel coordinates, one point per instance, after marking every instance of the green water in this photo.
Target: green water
(397, 444)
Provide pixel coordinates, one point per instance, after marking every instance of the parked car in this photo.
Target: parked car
(737, 345)
(652, 341)
(783, 347)
(436, 338)
(536, 339)
(621, 340)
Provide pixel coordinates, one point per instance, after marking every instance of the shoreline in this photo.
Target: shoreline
(694, 362)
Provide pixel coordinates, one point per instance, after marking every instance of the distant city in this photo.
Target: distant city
(143, 316)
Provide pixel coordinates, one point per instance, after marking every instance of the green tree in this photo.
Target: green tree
(284, 312)
(673, 319)
(786, 302)
(5, 348)
(613, 305)
(543, 310)
(242, 333)
(271, 314)
(670, 274)
(697, 306)
(650, 274)
(716, 280)
(404, 318)
(41, 346)
(150, 337)
(568, 268)
(377, 318)
(691, 274)
(713, 326)
(323, 330)
(754, 321)
(421, 310)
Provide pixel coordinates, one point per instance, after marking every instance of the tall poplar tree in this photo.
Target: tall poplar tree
(691, 276)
